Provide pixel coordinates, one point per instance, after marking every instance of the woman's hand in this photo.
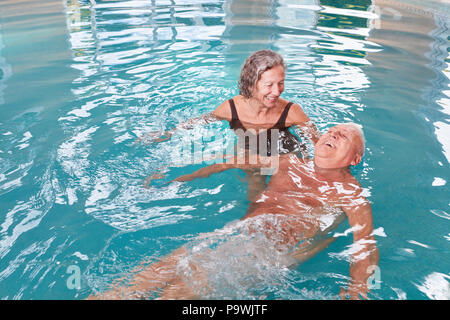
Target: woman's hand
(154, 136)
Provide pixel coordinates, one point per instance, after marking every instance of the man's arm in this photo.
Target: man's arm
(231, 163)
(365, 257)
(204, 172)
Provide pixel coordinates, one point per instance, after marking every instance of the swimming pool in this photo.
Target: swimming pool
(81, 79)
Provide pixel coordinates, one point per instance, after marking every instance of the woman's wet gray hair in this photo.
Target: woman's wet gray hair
(254, 66)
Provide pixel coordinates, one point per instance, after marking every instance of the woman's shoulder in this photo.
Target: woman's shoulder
(296, 114)
(223, 111)
(283, 102)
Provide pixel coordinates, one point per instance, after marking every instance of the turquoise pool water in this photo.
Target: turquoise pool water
(80, 80)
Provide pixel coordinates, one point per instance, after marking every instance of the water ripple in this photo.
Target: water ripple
(133, 67)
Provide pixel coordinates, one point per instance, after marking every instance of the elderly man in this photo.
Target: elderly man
(298, 197)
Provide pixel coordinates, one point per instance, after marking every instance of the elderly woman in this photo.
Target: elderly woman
(259, 109)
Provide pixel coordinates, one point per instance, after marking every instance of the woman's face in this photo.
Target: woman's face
(270, 86)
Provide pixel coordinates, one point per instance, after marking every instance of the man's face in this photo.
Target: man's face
(338, 147)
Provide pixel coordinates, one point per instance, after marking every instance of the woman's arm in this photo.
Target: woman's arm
(156, 136)
(222, 112)
(200, 120)
(301, 120)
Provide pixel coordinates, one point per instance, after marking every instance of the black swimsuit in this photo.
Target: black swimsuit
(286, 141)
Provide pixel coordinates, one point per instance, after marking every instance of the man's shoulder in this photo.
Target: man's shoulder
(291, 158)
(356, 193)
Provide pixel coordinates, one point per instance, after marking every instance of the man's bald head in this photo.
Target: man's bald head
(341, 146)
(358, 129)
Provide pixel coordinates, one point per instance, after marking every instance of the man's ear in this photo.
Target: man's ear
(356, 160)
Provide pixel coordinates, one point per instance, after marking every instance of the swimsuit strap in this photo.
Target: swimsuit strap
(235, 123)
(234, 115)
(281, 123)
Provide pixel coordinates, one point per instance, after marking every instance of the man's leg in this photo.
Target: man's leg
(155, 277)
(256, 183)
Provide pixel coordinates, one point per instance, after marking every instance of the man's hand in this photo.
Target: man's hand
(354, 292)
